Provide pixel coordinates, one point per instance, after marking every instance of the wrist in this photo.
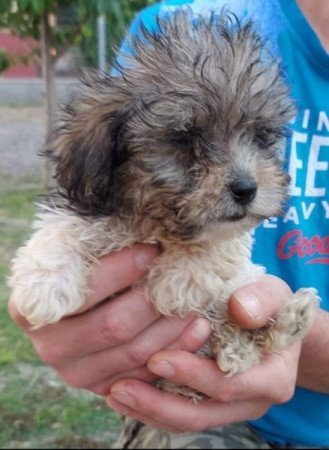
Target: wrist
(313, 372)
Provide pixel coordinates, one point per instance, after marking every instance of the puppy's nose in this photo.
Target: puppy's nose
(244, 190)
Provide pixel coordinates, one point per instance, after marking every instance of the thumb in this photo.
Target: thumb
(253, 305)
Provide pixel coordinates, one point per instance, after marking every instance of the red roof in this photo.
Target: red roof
(14, 44)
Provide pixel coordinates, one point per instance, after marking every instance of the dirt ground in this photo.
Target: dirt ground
(22, 134)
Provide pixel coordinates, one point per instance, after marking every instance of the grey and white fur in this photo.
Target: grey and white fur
(183, 149)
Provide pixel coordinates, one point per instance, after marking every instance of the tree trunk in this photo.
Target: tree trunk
(48, 75)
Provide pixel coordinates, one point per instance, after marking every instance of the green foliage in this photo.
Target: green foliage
(23, 16)
(119, 14)
(4, 61)
(76, 22)
(16, 212)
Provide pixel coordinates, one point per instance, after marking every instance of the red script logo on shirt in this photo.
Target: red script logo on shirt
(294, 243)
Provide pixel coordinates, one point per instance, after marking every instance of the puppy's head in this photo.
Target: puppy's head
(189, 135)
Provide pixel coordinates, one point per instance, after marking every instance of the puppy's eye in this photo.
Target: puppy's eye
(183, 139)
(266, 136)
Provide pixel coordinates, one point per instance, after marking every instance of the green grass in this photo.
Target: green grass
(16, 213)
(18, 204)
(37, 410)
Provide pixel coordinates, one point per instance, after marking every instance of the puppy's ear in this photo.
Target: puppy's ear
(88, 145)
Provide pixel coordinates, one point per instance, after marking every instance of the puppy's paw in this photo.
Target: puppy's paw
(47, 284)
(237, 350)
(234, 349)
(295, 320)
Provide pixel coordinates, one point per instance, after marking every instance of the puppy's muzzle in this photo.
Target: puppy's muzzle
(244, 190)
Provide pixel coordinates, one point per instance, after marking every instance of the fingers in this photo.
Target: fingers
(274, 379)
(115, 322)
(194, 336)
(104, 388)
(98, 367)
(134, 414)
(232, 399)
(144, 402)
(99, 370)
(253, 305)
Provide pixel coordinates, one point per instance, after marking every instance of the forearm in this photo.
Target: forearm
(313, 370)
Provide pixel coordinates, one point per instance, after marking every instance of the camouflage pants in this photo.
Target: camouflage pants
(239, 436)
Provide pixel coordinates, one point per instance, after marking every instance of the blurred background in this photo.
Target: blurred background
(43, 46)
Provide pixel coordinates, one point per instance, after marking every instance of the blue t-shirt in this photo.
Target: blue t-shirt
(294, 247)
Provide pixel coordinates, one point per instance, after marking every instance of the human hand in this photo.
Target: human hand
(111, 340)
(231, 399)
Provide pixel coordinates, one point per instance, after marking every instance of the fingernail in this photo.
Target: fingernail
(201, 328)
(143, 257)
(162, 368)
(124, 397)
(251, 304)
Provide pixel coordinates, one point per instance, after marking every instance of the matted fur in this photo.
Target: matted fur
(158, 155)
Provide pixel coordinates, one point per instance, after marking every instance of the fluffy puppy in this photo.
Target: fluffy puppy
(182, 149)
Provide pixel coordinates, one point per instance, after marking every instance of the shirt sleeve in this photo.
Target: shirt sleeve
(147, 17)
